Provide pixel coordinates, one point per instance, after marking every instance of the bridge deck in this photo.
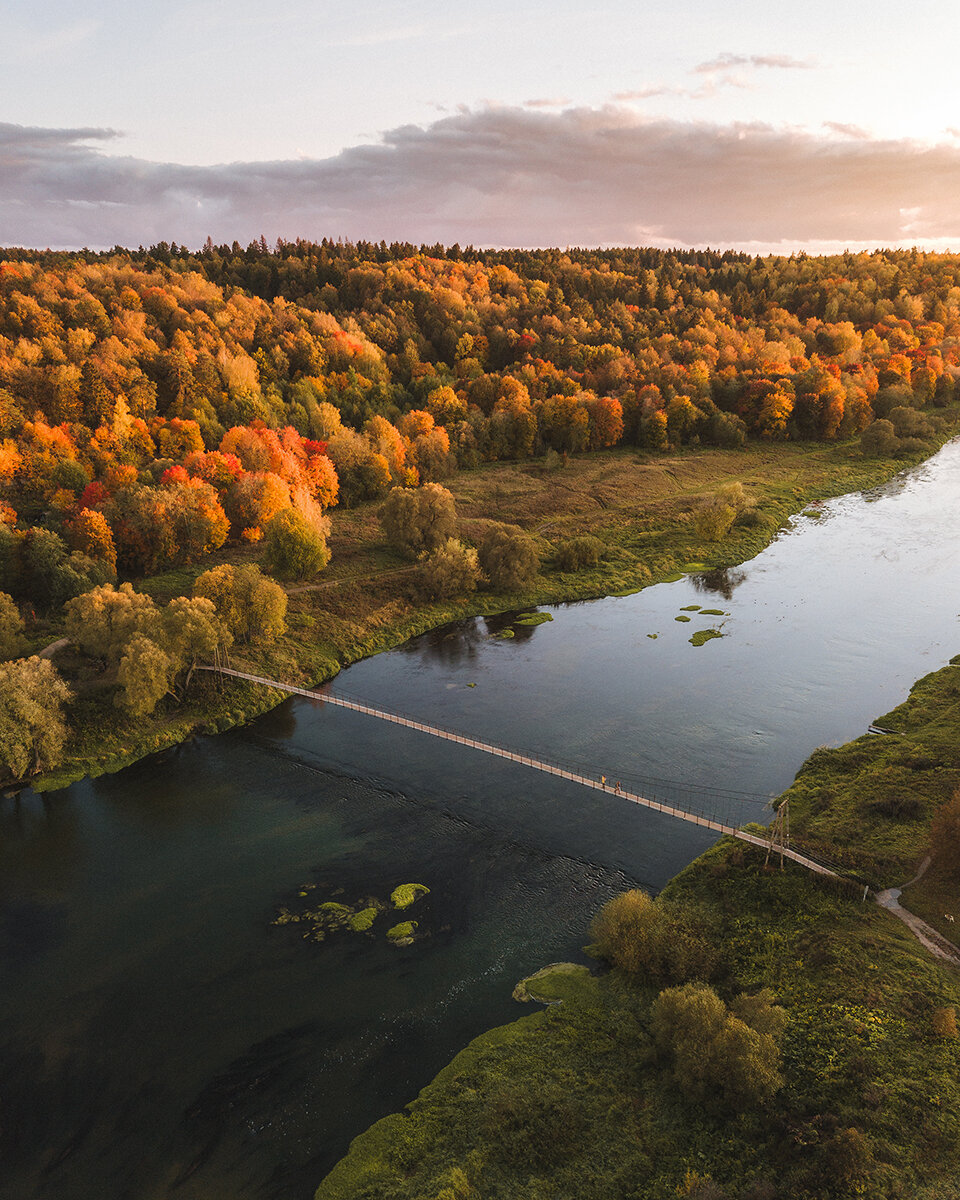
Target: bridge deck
(527, 761)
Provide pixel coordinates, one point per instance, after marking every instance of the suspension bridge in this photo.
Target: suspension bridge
(776, 841)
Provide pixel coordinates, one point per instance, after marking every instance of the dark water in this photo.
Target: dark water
(160, 1037)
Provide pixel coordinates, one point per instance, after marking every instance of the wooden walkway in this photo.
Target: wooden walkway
(526, 761)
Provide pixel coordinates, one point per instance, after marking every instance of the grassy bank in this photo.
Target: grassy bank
(573, 1101)
(638, 505)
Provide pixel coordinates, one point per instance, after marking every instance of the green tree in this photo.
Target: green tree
(418, 519)
(713, 1054)
(103, 620)
(32, 726)
(145, 674)
(294, 549)
(508, 558)
(451, 570)
(11, 628)
(192, 630)
(250, 607)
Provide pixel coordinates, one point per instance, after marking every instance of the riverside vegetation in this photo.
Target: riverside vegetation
(759, 1033)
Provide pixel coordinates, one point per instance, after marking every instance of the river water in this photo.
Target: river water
(160, 1036)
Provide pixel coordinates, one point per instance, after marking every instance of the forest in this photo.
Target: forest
(158, 406)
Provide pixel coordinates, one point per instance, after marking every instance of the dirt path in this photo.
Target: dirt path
(50, 651)
(925, 934)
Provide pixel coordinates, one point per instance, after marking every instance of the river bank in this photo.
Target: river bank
(637, 505)
(870, 1092)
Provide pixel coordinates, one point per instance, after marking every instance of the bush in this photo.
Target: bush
(712, 1052)
(944, 1022)
(451, 570)
(579, 552)
(879, 440)
(418, 519)
(637, 935)
(508, 558)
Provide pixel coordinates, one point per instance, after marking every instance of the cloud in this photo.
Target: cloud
(781, 62)
(558, 102)
(496, 177)
(845, 130)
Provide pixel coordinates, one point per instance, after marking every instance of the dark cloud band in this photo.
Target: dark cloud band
(499, 176)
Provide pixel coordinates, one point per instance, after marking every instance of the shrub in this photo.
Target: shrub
(451, 570)
(712, 1052)
(944, 1022)
(638, 934)
(508, 558)
(579, 552)
(879, 439)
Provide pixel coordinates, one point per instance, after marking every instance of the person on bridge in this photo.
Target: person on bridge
(603, 780)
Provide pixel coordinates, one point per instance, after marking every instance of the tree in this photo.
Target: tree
(294, 549)
(11, 628)
(663, 940)
(250, 607)
(509, 558)
(32, 727)
(192, 630)
(451, 570)
(145, 675)
(90, 533)
(713, 1053)
(104, 620)
(418, 519)
(879, 439)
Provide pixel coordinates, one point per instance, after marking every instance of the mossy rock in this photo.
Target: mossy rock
(653, 636)
(690, 608)
(538, 618)
(402, 934)
(506, 633)
(704, 635)
(713, 612)
(405, 894)
(681, 618)
(361, 921)
(673, 577)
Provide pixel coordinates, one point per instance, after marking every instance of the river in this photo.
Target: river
(162, 1037)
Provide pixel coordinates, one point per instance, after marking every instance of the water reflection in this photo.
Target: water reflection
(723, 580)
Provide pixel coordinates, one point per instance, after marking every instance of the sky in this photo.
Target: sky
(687, 123)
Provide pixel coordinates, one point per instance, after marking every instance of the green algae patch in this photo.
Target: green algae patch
(681, 618)
(673, 577)
(690, 608)
(695, 566)
(704, 635)
(556, 983)
(627, 592)
(713, 612)
(361, 921)
(406, 894)
(402, 934)
(538, 618)
(653, 636)
(506, 633)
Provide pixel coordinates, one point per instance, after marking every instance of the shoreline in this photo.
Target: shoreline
(803, 475)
